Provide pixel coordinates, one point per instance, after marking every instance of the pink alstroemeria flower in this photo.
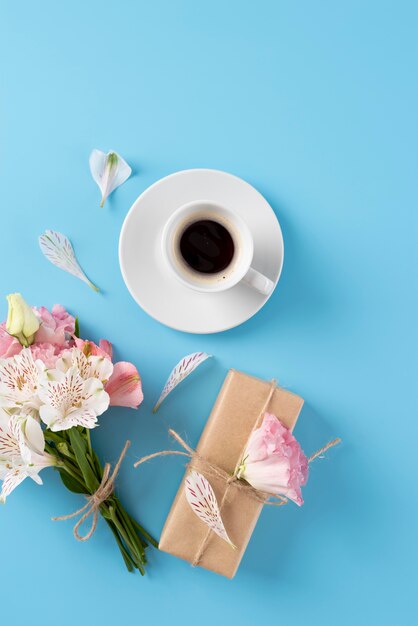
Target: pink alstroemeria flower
(124, 386)
(274, 462)
(89, 348)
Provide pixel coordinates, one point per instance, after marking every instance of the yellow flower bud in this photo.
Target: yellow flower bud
(21, 322)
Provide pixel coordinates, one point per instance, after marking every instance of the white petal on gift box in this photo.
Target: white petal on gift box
(183, 368)
(57, 248)
(202, 500)
(109, 171)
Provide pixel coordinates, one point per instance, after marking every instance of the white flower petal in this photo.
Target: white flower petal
(97, 162)
(19, 381)
(34, 435)
(9, 445)
(85, 418)
(183, 369)
(49, 415)
(109, 171)
(36, 478)
(72, 401)
(12, 479)
(88, 367)
(202, 500)
(95, 397)
(57, 248)
(100, 367)
(17, 460)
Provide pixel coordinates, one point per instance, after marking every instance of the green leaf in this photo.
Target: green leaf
(97, 465)
(71, 483)
(76, 327)
(79, 446)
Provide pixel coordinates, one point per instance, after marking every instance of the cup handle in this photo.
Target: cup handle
(258, 281)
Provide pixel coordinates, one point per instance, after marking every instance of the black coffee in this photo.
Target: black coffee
(207, 247)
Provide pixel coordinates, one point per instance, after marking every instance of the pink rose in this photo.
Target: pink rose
(274, 462)
(56, 327)
(48, 353)
(9, 346)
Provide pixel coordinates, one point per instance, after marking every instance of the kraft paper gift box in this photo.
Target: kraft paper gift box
(239, 408)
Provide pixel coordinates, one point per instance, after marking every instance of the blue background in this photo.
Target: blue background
(314, 103)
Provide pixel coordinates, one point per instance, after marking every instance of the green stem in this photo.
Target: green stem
(55, 437)
(135, 545)
(75, 474)
(88, 437)
(126, 539)
(128, 561)
(136, 541)
(129, 535)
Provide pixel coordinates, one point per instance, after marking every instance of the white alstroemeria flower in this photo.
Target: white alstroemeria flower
(22, 453)
(88, 366)
(19, 382)
(70, 400)
(109, 171)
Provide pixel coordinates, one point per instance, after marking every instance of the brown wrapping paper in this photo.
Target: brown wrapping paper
(238, 409)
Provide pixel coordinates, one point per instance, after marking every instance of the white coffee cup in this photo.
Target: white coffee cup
(239, 269)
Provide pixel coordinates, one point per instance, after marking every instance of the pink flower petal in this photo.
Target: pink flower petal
(9, 346)
(48, 353)
(56, 327)
(106, 347)
(89, 348)
(274, 462)
(124, 386)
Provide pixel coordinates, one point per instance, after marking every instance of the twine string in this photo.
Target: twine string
(209, 468)
(321, 451)
(94, 501)
(233, 480)
(198, 462)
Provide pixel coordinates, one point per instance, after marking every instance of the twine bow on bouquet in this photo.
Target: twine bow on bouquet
(96, 500)
(53, 388)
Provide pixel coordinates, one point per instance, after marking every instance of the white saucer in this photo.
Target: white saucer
(150, 282)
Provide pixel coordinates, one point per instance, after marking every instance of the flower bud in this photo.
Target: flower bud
(21, 322)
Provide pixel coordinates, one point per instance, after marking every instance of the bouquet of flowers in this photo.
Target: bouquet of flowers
(53, 387)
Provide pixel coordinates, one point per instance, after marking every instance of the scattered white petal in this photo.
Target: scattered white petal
(202, 500)
(109, 171)
(58, 250)
(185, 367)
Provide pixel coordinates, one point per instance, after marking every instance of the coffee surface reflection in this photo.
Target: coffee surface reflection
(207, 246)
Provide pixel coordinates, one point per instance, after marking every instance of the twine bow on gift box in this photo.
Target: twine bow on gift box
(217, 472)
